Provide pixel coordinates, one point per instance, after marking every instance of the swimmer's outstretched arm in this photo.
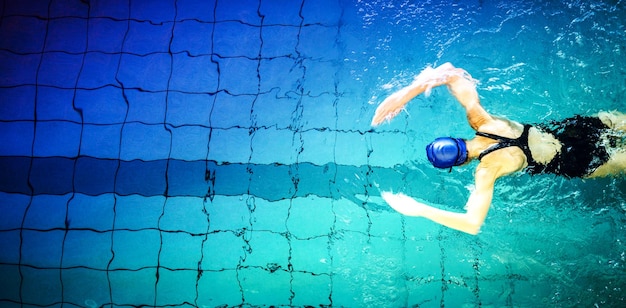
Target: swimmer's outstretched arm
(470, 222)
(459, 83)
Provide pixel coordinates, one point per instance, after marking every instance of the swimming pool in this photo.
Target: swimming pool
(211, 154)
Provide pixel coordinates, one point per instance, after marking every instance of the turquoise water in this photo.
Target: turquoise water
(218, 154)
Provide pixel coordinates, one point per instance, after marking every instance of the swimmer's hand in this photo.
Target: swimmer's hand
(403, 204)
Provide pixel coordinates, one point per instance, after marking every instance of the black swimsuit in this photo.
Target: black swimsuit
(581, 151)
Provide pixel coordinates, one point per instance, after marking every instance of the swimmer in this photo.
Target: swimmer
(580, 146)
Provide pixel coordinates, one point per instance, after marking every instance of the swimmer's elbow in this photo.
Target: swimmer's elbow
(473, 230)
(473, 226)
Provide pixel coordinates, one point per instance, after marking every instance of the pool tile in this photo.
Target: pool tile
(219, 288)
(143, 38)
(19, 70)
(17, 138)
(135, 250)
(18, 103)
(102, 141)
(235, 39)
(91, 212)
(106, 35)
(188, 109)
(52, 104)
(157, 11)
(459, 293)
(113, 9)
(239, 76)
(262, 288)
(137, 212)
(65, 9)
(191, 9)
(175, 287)
(10, 241)
(222, 251)
(319, 43)
(423, 260)
(146, 107)
(145, 142)
(351, 148)
(15, 29)
(350, 216)
(13, 209)
(228, 178)
(270, 215)
(347, 287)
(311, 255)
(185, 178)
(37, 288)
(244, 11)
(102, 106)
(279, 41)
(352, 115)
(149, 72)
(311, 290)
(94, 286)
(181, 251)
(272, 110)
(57, 139)
(23, 8)
(267, 181)
(283, 75)
(10, 285)
(386, 224)
(88, 248)
(273, 146)
(67, 34)
(232, 145)
(52, 175)
(424, 293)
(267, 250)
(194, 74)
(302, 210)
(95, 176)
(388, 148)
(281, 13)
(228, 213)
(190, 143)
(59, 69)
(47, 212)
(231, 110)
(145, 178)
(193, 37)
(42, 248)
(142, 279)
(318, 147)
(325, 12)
(319, 111)
(99, 70)
(189, 210)
(319, 80)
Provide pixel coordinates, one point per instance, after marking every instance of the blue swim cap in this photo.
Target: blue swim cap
(446, 152)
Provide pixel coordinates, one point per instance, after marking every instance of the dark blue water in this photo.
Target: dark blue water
(219, 154)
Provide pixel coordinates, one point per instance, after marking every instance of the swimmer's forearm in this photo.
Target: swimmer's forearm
(458, 221)
(393, 104)
(423, 83)
(408, 206)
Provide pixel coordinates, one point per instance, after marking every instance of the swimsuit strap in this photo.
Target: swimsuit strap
(504, 142)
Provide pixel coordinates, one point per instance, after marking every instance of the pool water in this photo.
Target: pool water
(219, 154)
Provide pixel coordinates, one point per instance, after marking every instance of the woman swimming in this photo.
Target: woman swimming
(580, 146)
